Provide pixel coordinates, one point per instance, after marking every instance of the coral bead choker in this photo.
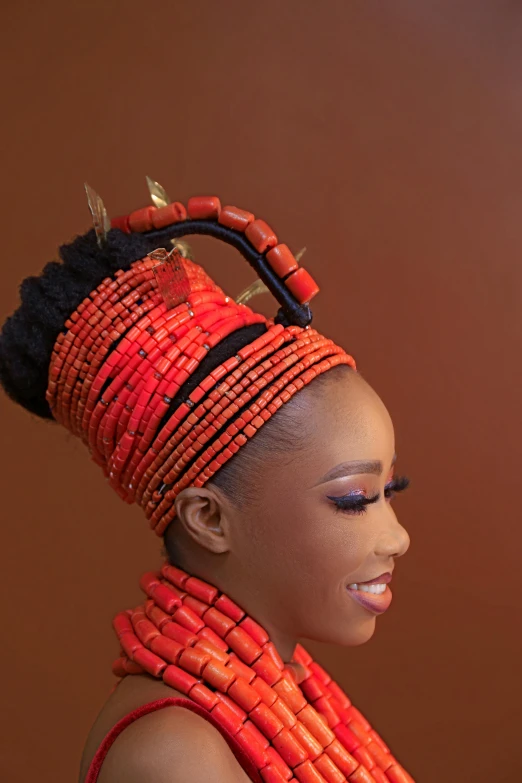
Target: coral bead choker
(292, 720)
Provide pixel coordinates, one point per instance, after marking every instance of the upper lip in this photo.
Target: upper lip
(379, 580)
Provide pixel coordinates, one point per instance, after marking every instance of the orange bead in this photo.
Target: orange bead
(361, 775)
(243, 645)
(289, 749)
(198, 607)
(282, 260)
(396, 774)
(226, 718)
(188, 619)
(166, 216)
(218, 675)
(266, 669)
(378, 740)
(203, 207)
(201, 590)
(249, 726)
(260, 235)
(278, 762)
(213, 638)
(241, 669)
(235, 218)
(302, 285)
(271, 774)
(243, 694)
(178, 679)
(253, 629)
(330, 772)
(306, 773)
(218, 622)
(203, 696)
(315, 725)
(166, 648)
(228, 607)
(268, 696)
(266, 721)
(179, 634)
(363, 757)
(270, 649)
(194, 661)
(339, 694)
(122, 223)
(313, 689)
(345, 735)
(359, 717)
(380, 757)
(212, 650)
(341, 758)
(379, 776)
(151, 663)
(284, 713)
(166, 599)
(359, 732)
(290, 694)
(307, 740)
(252, 747)
(175, 575)
(141, 219)
(236, 709)
(327, 710)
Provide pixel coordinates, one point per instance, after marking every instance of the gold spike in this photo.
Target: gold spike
(254, 289)
(100, 218)
(157, 193)
(300, 254)
(183, 248)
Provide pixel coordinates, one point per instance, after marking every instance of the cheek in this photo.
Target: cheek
(310, 541)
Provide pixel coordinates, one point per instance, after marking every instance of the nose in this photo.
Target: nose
(394, 540)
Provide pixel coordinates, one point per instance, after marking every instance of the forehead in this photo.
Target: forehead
(345, 420)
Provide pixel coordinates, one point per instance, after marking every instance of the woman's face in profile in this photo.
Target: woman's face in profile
(302, 548)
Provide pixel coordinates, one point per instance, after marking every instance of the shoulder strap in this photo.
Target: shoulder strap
(158, 704)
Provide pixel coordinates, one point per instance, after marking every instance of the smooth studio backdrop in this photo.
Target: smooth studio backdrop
(386, 137)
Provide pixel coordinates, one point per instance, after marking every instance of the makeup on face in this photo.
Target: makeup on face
(359, 491)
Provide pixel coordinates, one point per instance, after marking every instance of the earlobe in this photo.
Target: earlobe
(201, 513)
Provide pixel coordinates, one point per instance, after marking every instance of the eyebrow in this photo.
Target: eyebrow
(353, 468)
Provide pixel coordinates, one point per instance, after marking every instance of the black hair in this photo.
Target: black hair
(28, 336)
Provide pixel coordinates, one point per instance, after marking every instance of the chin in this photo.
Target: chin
(353, 635)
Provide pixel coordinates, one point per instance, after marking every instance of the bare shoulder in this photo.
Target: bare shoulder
(171, 745)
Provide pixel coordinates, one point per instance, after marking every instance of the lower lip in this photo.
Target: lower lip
(372, 601)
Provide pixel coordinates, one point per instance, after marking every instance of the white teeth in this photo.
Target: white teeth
(377, 589)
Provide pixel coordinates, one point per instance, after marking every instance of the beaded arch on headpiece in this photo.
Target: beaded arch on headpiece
(133, 343)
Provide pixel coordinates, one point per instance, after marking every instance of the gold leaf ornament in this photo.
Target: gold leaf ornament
(158, 194)
(100, 218)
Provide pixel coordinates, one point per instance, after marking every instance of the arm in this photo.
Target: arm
(172, 745)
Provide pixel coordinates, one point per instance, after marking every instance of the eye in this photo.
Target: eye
(398, 484)
(354, 503)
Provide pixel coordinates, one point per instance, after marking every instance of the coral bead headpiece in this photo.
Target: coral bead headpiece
(120, 374)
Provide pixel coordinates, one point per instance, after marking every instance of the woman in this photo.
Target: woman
(266, 463)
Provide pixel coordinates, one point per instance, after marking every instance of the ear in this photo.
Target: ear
(202, 512)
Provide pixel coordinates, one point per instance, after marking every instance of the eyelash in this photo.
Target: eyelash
(356, 504)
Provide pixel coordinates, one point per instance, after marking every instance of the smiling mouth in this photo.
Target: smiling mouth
(375, 598)
(377, 589)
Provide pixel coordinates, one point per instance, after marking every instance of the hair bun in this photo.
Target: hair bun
(47, 300)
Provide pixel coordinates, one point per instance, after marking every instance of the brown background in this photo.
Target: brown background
(386, 137)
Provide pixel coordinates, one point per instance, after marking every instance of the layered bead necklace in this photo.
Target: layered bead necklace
(291, 727)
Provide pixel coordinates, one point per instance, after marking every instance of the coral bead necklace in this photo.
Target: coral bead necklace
(291, 720)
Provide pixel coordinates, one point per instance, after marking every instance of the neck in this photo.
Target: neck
(235, 582)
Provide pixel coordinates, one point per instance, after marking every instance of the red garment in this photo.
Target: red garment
(152, 706)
